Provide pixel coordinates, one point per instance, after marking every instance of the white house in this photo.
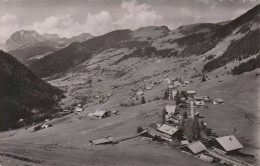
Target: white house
(199, 101)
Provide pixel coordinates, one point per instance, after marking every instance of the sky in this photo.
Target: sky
(69, 18)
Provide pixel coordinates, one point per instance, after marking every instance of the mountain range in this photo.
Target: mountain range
(28, 46)
(221, 42)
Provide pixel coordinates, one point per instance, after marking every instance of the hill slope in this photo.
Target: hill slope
(21, 92)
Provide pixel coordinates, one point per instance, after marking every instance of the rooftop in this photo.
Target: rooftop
(229, 143)
(170, 130)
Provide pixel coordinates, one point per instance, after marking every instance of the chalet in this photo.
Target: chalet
(186, 82)
(140, 93)
(185, 142)
(218, 101)
(199, 101)
(191, 94)
(105, 140)
(78, 109)
(168, 132)
(228, 143)
(206, 98)
(167, 80)
(171, 86)
(170, 109)
(196, 147)
(172, 120)
(149, 87)
(206, 158)
(101, 114)
(109, 94)
(177, 83)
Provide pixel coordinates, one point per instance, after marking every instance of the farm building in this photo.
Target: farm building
(206, 158)
(170, 86)
(199, 101)
(177, 83)
(218, 101)
(148, 87)
(140, 93)
(78, 109)
(168, 132)
(105, 140)
(186, 82)
(185, 142)
(191, 94)
(206, 98)
(170, 109)
(101, 114)
(196, 147)
(228, 143)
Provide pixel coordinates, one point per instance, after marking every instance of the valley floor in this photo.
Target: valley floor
(67, 142)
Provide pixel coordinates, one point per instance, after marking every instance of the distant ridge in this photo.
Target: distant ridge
(29, 46)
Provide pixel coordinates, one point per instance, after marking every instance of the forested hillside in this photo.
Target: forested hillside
(21, 92)
(238, 50)
(250, 65)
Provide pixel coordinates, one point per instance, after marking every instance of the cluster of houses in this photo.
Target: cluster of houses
(191, 95)
(209, 147)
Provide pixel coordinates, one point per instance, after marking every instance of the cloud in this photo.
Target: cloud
(132, 15)
(61, 24)
(8, 19)
(98, 23)
(8, 25)
(137, 15)
(65, 26)
(185, 12)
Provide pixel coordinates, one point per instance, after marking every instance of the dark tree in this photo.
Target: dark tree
(191, 129)
(163, 115)
(143, 100)
(139, 129)
(184, 94)
(202, 126)
(184, 115)
(203, 79)
(177, 98)
(166, 95)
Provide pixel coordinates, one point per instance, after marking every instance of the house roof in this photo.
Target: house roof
(191, 92)
(99, 113)
(185, 142)
(206, 158)
(140, 92)
(220, 100)
(196, 147)
(170, 109)
(198, 98)
(174, 92)
(229, 143)
(153, 132)
(79, 109)
(170, 130)
(102, 140)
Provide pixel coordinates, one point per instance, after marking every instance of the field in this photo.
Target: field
(67, 141)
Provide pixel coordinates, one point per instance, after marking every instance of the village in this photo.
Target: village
(181, 125)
